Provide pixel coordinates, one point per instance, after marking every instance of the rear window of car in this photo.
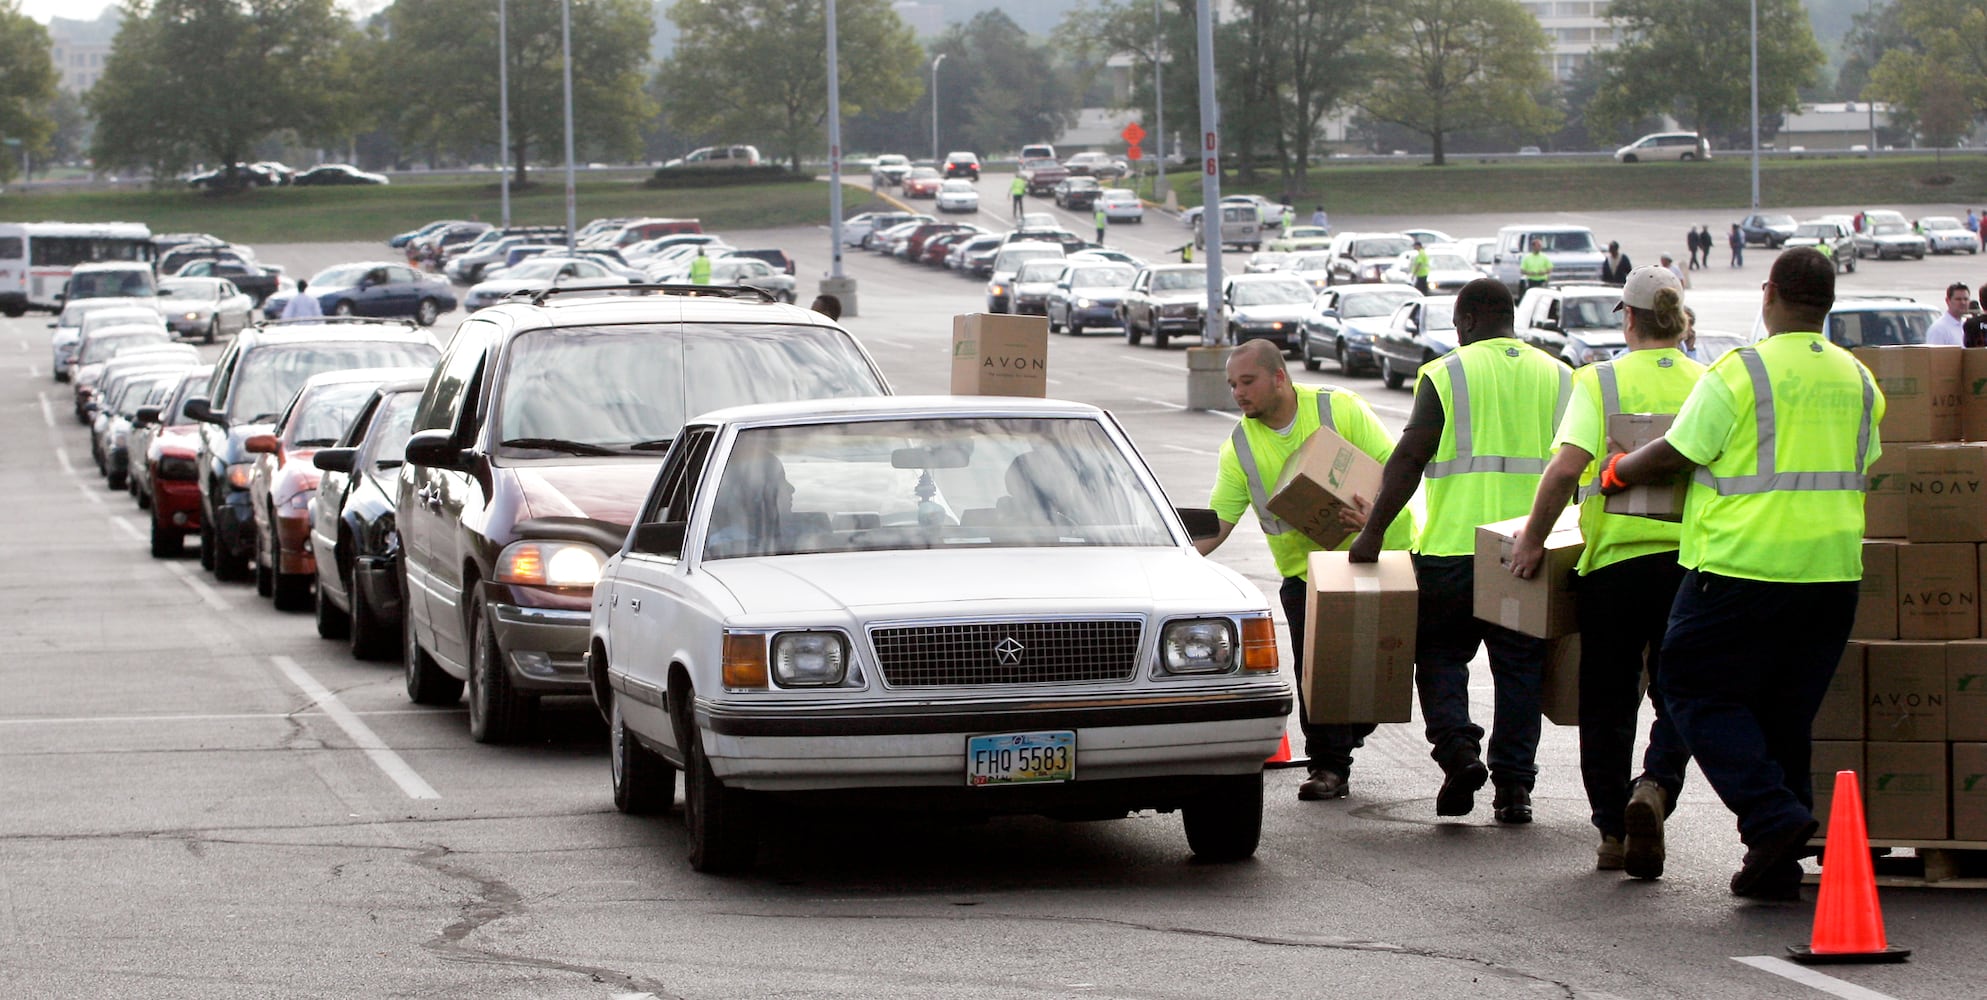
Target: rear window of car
(1880, 327)
(266, 378)
(128, 282)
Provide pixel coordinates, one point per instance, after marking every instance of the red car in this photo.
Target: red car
(166, 477)
(284, 480)
(923, 183)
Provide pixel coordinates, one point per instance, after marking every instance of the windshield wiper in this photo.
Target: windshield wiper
(659, 444)
(559, 444)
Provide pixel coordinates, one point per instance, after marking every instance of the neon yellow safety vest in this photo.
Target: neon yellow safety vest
(1535, 266)
(1784, 433)
(1421, 263)
(700, 270)
(1017, 187)
(1098, 215)
(1653, 381)
(1501, 401)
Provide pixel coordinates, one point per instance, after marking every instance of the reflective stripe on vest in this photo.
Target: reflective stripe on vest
(1610, 405)
(1766, 479)
(1466, 459)
(1258, 495)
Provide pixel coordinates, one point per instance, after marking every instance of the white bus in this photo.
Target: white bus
(36, 257)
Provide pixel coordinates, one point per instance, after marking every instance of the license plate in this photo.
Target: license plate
(1020, 758)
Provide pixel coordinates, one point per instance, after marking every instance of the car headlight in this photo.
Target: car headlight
(809, 659)
(549, 564)
(239, 473)
(997, 289)
(1198, 646)
(1082, 303)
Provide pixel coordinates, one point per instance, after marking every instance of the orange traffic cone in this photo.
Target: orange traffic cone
(1281, 758)
(1849, 926)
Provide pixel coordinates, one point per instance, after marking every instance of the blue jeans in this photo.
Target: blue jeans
(1328, 745)
(1745, 666)
(1446, 639)
(1624, 611)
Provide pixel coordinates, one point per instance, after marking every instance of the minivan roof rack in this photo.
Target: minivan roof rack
(539, 296)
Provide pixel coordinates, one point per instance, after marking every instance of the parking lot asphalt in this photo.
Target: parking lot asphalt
(202, 801)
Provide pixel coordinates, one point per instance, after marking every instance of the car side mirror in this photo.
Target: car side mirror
(261, 444)
(335, 459)
(146, 416)
(201, 409)
(1202, 523)
(660, 538)
(436, 448)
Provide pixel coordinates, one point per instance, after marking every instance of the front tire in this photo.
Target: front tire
(1132, 335)
(167, 543)
(1393, 379)
(427, 682)
(1226, 822)
(331, 622)
(343, 308)
(427, 312)
(644, 783)
(213, 330)
(497, 712)
(370, 639)
(721, 835)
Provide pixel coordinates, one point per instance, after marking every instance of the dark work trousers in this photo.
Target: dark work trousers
(1745, 665)
(1328, 745)
(1446, 639)
(1421, 284)
(1624, 611)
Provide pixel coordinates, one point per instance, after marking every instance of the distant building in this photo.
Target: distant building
(1833, 126)
(1576, 28)
(80, 49)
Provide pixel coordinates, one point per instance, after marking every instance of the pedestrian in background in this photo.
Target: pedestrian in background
(1535, 268)
(302, 306)
(1671, 263)
(1690, 243)
(1480, 433)
(1974, 330)
(1772, 545)
(1277, 418)
(1614, 270)
(827, 305)
(1737, 240)
(1017, 191)
(1626, 579)
(1949, 329)
(1320, 219)
(1705, 244)
(1097, 215)
(700, 268)
(1420, 268)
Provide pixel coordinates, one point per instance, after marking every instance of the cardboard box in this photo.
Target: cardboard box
(1966, 690)
(1969, 791)
(1904, 686)
(1359, 625)
(1973, 394)
(1560, 694)
(1920, 384)
(1543, 606)
(1905, 793)
(1825, 758)
(1318, 482)
(1662, 501)
(1000, 355)
(1938, 591)
(1886, 500)
(1841, 714)
(1876, 596)
(1946, 492)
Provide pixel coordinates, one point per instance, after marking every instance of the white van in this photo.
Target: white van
(1241, 226)
(1665, 146)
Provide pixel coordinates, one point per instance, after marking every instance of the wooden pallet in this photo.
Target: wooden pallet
(1933, 864)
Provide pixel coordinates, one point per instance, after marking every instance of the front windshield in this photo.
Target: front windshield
(1445, 262)
(392, 428)
(1816, 231)
(133, 393)
(1573, 242)
(1362, 305)
(1102, 277)
(945, 482)
(598, 390)
(1175, 281)
(1012, 258)
(196, 385)
(535, 270)
(1439, 314)
(124, 282)
(1272, 293)
(268, 378)
(1040, 270)
(190, 288)
(1880, 327)
(342, 276)
(1941, 222)
(1776, 220)
(104, 348)
(1392, 246)
(1590, 313)
(318, 422)
(1082, 183)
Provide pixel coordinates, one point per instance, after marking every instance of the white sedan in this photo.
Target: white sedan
(1945, 234)
(1122, 205)
(958, 195)
(207, 308)
(536, 274)
(975, 605)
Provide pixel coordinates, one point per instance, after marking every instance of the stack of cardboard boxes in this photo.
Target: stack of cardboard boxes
(1908, 708)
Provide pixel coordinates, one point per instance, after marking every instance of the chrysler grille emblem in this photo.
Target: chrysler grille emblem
(1007, 652)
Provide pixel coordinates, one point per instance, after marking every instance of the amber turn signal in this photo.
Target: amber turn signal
(1259, 644)
(745, 661)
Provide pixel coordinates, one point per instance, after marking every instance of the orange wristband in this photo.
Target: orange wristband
(1610, 480)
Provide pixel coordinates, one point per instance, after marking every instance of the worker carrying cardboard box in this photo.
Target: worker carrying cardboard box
(1278, 417)
(1626, 579)
(1480, 432)
(1782, 434)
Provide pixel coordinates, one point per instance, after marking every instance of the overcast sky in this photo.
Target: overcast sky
(87, 10)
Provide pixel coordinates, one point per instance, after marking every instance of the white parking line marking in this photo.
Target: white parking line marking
(216, 717)
(89, 494)
(1176, 369)
(24, 347)
(47, 410)
(1810, 978)
(1181, 406)
(34, 372)
(382, 756)
(885, 341)
(125, 526)
(1190, 451)
(207, 594)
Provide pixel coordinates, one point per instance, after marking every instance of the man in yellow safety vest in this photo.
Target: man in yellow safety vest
(1535, 267)
(1480, 433)
(1781, 435)
(1277, 418)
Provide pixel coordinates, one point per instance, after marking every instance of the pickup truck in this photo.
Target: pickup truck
(1042, 175)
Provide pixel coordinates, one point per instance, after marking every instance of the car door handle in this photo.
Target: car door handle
(635, 605)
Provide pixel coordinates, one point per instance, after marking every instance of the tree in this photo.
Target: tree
(1324, 63)
(757, 70)
(27, 85)
(1872, 33)
(1451, 65)
(195, 80)
(1689, 59)
(434, 73)
(71, 138)
(1938, 85)
(999, 89)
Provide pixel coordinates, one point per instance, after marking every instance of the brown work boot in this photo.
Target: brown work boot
(1322, 785)
(1643, 847)
(1608, 856)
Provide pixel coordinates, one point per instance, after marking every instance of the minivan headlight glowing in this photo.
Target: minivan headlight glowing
(1197, 646)
(549, 564)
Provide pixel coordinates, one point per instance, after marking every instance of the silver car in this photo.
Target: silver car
(974, 605)
(207, 308)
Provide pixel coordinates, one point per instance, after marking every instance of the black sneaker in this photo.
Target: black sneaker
(1513, 804)
(1766, 864)
(1458, 794)
(1322, 785)
(1643, 847)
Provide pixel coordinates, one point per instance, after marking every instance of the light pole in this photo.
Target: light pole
(566, 39)
(844, 289)
(1755, 105)
(1213, 330)
(1158, 103)
(504, 111)
(934, 105)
